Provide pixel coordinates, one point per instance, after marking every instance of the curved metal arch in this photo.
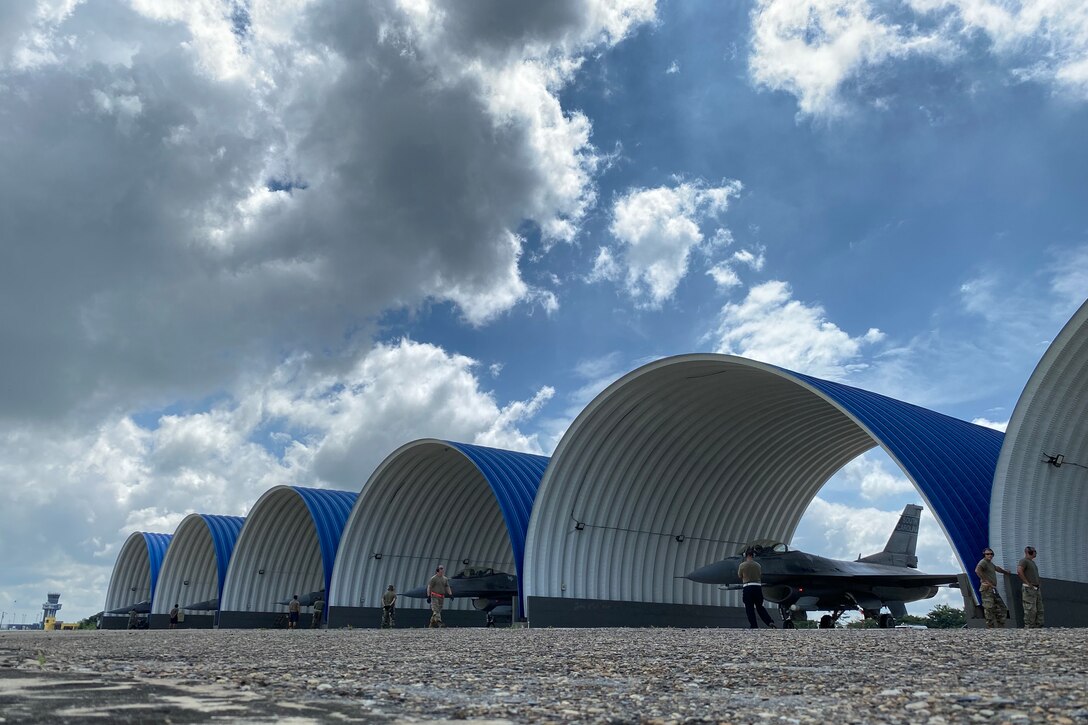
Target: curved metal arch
(1035, 502)
(195, 565)
(136, 571)
(287, 546)
(683, 460)
(435, 501)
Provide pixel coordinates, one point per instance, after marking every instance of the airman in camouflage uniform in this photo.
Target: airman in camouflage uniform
(389, 608)
(1032, 598)
(438, 589)
(992, 604)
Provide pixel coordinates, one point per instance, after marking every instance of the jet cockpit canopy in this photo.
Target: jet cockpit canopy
(471, 572)
(764, 546)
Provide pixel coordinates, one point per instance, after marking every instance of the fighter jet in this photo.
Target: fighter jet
(489, 589)
(306, 600)
(143, 607)
(798, 582)
(208, 605)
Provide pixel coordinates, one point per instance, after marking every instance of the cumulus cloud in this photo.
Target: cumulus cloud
(987, 423)
(237, 181)
(809, 48)
(875, 483)
(769, 325)
(656, 231)
(303, 425)
(814, 48)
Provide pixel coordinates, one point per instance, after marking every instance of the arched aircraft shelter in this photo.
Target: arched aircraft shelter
(135, 575)
(194, 569)
(431, 502)
(681, 461)
(287, 546)
(1040, 495)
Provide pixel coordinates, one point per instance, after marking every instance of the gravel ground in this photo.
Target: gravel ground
(549, 675)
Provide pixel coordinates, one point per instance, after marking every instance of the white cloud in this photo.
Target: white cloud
(875, 483)
(673, 68)
(1069, 277)
(324, 161)
(1045, 40)
(810, 48)
(754, 259)
(724, 276)
(813, 48)
(996, 425)
(76, 496)
(656, 231)
(769, 325)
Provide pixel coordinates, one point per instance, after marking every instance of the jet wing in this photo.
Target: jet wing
(842, 578)
(306, 600)
(143, 607)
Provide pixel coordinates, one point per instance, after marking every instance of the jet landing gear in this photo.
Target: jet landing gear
(787, 616)
(884, 621)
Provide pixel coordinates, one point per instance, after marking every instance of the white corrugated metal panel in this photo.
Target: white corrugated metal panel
(278, 554)
(136, 570)
(675, 466)
(189, 574)
(1035, 503)
(426, 504)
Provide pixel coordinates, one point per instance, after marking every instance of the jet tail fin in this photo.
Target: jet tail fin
(902, 544)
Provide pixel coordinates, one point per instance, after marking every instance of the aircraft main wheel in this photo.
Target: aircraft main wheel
(887, 621)
(826, 622)
(788, 624)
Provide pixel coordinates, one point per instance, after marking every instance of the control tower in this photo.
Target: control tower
(50, 608)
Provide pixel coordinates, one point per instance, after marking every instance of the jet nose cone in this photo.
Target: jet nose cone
(720, 572)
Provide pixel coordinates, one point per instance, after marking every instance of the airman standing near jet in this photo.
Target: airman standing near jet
(389, 608)
(438, 588)
(292, 612)
(319, 611)
(992, 604)
(1032, 598)
(751, 576)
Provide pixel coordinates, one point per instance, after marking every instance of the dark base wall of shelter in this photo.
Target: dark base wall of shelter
(108, 622)
(371, 618)
(191, 621)
(261, 620)
(561, 612)
(1065, 603)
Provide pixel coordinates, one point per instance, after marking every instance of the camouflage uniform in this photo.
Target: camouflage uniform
(1030, 595)
(992, 604)
(389, 608)
(319, 609)
(438, 588)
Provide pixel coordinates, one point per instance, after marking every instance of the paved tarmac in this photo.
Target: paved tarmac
(546, 675)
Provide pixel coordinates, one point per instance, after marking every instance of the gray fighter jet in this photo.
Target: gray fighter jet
(306, 600)
(143, 607)
(489, 589)
(208, 605)
(798, 582)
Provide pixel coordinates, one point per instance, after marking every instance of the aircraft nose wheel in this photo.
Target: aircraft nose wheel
(887, 621)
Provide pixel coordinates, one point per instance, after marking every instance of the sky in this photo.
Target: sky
(256, 243)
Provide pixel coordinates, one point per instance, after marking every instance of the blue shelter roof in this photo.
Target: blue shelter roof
(224, 531)
(156, 552)
(330, 511)
(950, 460)
(514, 478)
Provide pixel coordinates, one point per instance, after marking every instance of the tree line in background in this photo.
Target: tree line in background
(941, 616)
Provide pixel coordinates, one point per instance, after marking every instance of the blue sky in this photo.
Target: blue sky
(240, 255)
